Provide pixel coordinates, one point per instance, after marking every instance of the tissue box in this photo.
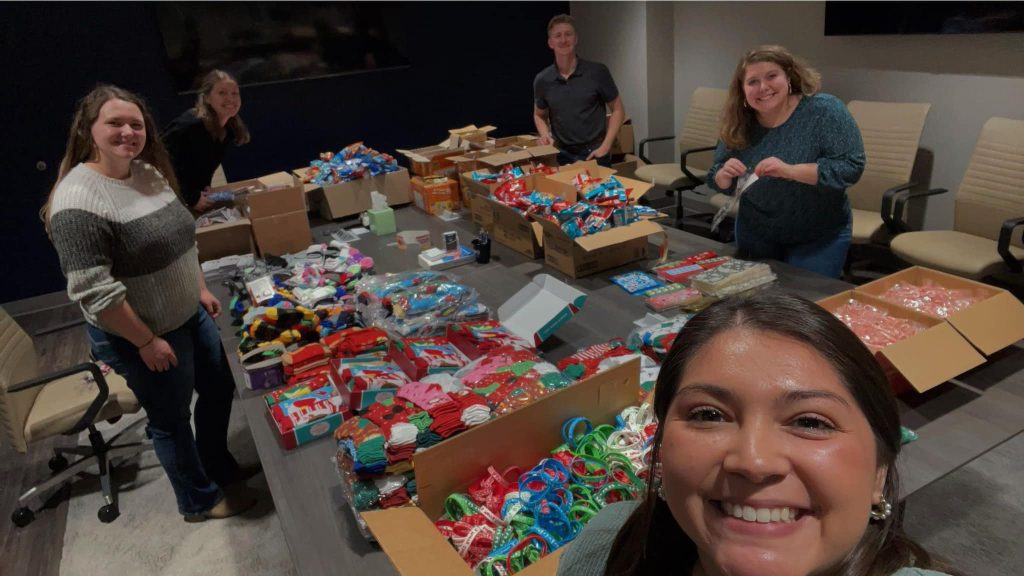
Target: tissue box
(382, 221)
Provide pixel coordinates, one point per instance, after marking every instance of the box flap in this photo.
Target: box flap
(277, 180)
(504, 158)
(566, 173)
(522, 438)
(932, 357)
(236, 223)
(540, 308)
(538, 151)
(240, 186)
(413, 544)
(636, 188)
(618, 234)
(993, 323)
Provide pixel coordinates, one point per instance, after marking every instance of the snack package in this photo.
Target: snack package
(636, 282)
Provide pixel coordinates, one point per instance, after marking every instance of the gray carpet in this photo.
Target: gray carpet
(150, 536)
(972, 518)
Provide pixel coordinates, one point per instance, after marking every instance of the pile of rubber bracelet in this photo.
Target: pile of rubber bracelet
(931, 298)
(875, 327)
(507, 521)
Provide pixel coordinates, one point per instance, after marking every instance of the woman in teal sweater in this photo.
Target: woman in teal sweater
(775, 455)
(805, 150)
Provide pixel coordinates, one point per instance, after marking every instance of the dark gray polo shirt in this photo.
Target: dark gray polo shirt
(576, 105)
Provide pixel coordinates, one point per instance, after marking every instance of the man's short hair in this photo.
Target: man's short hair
(561, 19)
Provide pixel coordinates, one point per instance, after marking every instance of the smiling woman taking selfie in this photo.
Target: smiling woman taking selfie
(805, 149)
(774, 456)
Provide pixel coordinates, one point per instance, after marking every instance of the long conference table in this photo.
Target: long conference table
(957, 421)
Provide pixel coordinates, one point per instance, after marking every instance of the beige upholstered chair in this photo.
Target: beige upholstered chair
(989, 208)
(696, 147)
(35, 406)
(891, 132)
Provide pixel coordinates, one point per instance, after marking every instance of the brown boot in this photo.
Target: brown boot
(233, 503)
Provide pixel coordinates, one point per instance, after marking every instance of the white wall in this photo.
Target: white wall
(967, 78)
(615, 34)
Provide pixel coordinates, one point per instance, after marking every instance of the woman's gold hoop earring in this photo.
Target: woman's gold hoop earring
(881, 511)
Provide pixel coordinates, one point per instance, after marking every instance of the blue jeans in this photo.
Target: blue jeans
(566, 157)
(825, 256)
(195, 464)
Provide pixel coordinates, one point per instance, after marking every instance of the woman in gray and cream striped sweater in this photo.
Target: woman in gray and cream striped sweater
(127, 247)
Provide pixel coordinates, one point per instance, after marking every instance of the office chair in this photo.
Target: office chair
(989, 209)
(35, 406)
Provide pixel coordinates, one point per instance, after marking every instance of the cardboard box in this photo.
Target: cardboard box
(540, 308)
(923, 361)
(513, 229)
(321, 411)
(357, 399)
(271, 202)
(595, 253)
(467, 135)
(430, 160)
(547, 155)
(624, 142)
(481, 209)
(511, 157)
(522, 438)
(521, 141)
(990, 325)
(282, 233)
(436, 194)
(351, 198)
(220, 240)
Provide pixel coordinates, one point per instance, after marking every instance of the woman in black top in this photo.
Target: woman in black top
(198, 138)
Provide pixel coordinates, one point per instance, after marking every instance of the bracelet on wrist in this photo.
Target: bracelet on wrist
(148, 342)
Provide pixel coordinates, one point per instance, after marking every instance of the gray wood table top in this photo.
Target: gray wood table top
(318, 525)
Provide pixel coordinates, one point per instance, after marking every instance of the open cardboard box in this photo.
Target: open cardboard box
(517, 231)
(350, 198)
(598, 252)
(540, 308)
(225, 239)
(430, 160)
(522, 438)
(990, 325)
(926, 359)
(277, 212)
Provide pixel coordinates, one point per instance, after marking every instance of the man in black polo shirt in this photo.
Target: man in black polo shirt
(573, 95)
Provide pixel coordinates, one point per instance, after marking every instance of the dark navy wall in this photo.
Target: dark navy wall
(471, 62)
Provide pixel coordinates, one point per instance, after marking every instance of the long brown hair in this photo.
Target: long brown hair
(652, 539)
(737, 119)
(81, 148)
(206, 113)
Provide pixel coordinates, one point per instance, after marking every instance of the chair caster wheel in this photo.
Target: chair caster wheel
(108, 513)
(22, 517)
(58, 463)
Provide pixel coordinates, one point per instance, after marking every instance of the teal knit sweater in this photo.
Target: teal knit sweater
(587, 555)
(820, 130)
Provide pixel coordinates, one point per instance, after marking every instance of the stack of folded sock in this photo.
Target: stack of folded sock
(732, 277)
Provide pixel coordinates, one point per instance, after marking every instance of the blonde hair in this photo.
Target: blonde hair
(737, 119)
(561, 19)
(206, 113)
(81, 148)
